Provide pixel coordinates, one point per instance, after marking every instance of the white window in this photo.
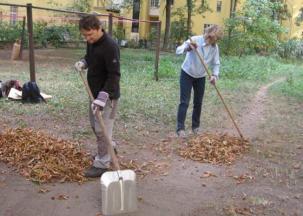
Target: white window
(14, 15)
(219, 6)
(154, 3)
(206, 26)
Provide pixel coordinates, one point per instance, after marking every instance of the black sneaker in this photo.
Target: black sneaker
(94, 172)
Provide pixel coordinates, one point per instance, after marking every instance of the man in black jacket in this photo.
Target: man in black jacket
(102, 60)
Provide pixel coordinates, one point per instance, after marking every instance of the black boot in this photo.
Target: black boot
(94, 172)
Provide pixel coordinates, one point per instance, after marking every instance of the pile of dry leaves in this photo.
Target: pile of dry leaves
(215, 149)
(42, 158)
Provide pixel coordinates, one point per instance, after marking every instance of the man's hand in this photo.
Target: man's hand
(80, 65)
(100, 102)
(213, 79)
(191, 45)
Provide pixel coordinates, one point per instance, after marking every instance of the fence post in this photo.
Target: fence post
(22, 38)
(156, 76)
(29, 12)
(110, 24)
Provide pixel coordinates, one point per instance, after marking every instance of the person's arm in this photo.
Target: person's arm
(216, 63)
(86, 56)
(183, 48)
(112, 62)
(187, 45)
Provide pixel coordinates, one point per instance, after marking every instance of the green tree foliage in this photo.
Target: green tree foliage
(178, 26)
(81, 5)
(44, 34)
(10, 33)
(181, 26)
(194, 7)
(255, 28)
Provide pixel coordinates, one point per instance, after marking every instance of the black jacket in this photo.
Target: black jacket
(103, 60)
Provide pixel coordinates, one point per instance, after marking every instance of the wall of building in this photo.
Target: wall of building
(98, 6)
(199, 21)
(294, 31)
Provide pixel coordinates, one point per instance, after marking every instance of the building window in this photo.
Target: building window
(206, 26)
(13, 15)
(136, 15)
(219, 6)
(154, 3)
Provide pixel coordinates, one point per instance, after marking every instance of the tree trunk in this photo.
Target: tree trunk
(167, 23)
(235, 5)
(232, 10)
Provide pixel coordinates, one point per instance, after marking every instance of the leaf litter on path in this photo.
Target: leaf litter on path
(143, 169)
(213, 148)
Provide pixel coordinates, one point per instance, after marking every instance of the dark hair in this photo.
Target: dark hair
(89, 22)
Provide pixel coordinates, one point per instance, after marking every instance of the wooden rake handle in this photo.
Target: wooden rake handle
(218, 92)
(101, 122)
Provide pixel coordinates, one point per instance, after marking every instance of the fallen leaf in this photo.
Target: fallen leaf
(297, 166)
(207, 174)
(63, 197)
(43, 190)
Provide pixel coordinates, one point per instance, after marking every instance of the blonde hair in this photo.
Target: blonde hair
(214, 30)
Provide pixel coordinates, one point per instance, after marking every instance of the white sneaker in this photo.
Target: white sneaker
(181, 134)
(197, 131)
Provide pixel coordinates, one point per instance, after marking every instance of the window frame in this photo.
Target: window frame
(219, 6)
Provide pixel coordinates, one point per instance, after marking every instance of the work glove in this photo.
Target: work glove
(100, 102)
(190, 45)
(80, 65)
(213, 79)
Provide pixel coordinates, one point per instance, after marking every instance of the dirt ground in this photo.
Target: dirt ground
(266, 181)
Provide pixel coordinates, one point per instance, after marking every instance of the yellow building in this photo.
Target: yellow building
(151, 10)
(220, 10)
(14, 13)
(295, 8)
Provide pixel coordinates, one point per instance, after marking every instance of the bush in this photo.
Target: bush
(44, 34)
(10, 33)
(291, 49)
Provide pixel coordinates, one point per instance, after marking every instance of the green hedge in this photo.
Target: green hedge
(44, 34)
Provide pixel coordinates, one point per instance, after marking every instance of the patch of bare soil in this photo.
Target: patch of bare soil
(249, 122)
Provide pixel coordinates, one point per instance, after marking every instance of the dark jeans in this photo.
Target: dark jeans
(186, 84)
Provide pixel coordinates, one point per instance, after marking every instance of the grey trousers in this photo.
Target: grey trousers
(103, 159)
